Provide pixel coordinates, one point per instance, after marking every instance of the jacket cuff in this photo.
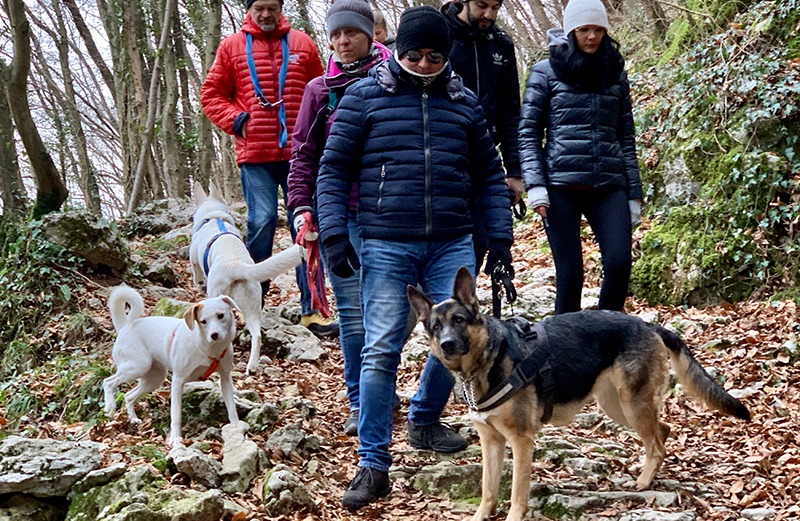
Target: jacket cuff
(238, 123)
(537, 196)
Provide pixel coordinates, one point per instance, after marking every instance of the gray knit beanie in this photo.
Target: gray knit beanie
(356, 14)
(584, 12)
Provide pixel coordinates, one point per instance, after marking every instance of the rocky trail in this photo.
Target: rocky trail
(299, 462)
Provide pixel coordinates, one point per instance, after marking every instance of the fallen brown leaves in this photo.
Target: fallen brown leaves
(739, 465)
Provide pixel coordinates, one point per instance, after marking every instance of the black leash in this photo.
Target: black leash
(519, 209)
(501, 283)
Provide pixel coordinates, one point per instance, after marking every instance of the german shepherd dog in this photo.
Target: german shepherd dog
(618, 360)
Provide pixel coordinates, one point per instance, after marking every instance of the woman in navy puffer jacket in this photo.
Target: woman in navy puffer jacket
(578, 153)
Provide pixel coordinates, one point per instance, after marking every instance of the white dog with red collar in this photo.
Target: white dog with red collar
(191, 348)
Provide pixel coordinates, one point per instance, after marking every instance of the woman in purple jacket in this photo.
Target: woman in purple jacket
(350, 25)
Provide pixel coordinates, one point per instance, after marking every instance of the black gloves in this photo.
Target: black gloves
(342, 257)
(499, 254)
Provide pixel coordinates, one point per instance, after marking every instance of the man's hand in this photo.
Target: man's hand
(516, 187)
(304, 227)
(342, 257)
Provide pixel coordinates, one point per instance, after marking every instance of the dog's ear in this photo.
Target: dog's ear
(198, 194)
(214, 192)
(464, 288)
(420, 303)
(229, 301)
(191, 315)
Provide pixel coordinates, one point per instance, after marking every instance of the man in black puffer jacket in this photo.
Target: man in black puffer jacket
(416, 143)
(483, 55)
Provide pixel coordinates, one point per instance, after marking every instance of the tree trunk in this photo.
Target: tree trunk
(145, 151)
(87, 179)
(206, 151)
(12, 191)
(91, 47)
(51, 191)
(656, 15)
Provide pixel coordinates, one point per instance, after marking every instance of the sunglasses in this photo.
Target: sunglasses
(433, 57)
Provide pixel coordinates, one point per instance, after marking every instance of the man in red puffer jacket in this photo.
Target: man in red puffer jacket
(253, 91)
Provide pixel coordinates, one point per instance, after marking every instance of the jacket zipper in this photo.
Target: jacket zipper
(380, 187)
(428, 180)
(477, 70)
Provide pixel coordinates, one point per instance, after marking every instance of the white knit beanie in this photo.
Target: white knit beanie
(584, 12)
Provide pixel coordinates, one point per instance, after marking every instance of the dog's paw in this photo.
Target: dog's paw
(252, 369)
(174, 443)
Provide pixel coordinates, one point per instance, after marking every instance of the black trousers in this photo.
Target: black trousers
(609, 217)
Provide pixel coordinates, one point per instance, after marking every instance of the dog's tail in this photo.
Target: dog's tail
(274, 266)
(696, 380)
(120, 297)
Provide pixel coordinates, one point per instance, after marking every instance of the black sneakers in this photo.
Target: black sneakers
(368, 486)
(436, 437)
(351, 425)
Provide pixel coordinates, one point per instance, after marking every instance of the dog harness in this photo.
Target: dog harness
(214, 364)
(534, 368)
(222, 231)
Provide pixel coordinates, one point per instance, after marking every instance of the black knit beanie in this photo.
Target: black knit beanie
(422, 27)
(249, 3)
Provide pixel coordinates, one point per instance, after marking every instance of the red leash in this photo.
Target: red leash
(307, 237)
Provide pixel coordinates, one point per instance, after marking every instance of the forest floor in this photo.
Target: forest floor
(752, 345)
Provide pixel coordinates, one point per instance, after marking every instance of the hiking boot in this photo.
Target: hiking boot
(368, 486)
(351, 425)
(436, 437)
(319, 325)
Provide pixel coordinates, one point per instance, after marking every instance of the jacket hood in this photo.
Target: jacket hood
(556, 37)
(249, 26)
(458, 27)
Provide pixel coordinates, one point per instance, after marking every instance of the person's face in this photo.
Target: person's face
(380, 34)
(266, 14)
(424, 61)
(589, 37)
(349, 44)
(481, 14)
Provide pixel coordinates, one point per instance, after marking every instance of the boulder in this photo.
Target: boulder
(89, 237)
(284, 493)
(45, 467)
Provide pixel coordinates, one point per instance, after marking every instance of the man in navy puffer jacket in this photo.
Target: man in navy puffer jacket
(415, 141)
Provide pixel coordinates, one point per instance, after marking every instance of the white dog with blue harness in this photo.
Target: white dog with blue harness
(220, 259)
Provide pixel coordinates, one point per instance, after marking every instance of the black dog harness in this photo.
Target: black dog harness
(222, 231)
(534, 368)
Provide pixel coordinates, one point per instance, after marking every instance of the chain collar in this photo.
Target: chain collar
(468, 390)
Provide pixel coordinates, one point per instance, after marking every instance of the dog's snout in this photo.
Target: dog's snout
(214, 336)
(448, 345)
(451, 345)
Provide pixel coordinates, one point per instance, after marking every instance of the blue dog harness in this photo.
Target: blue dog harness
(222, 231)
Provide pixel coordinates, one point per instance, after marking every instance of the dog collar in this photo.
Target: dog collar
(214, 365)
(222, 231)
(531, 369)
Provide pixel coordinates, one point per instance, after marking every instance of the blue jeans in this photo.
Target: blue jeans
(347, 293)
(387, 268)
(260, 182)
